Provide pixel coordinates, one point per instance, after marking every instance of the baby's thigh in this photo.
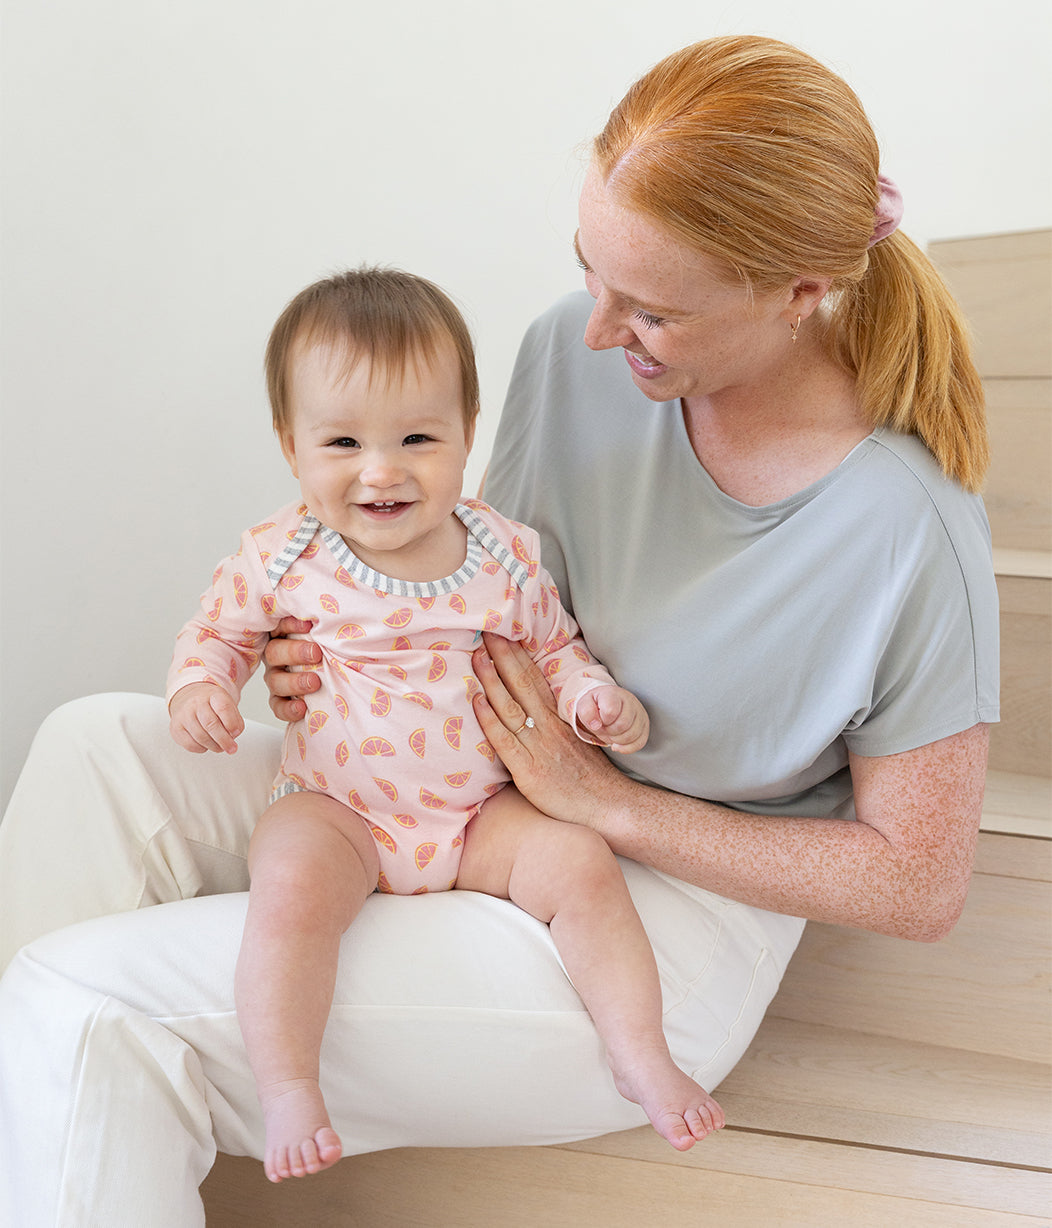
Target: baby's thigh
(308, 841)
(514, 851)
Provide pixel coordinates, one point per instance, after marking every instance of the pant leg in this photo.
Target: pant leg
(110, 814)
(121, 1062)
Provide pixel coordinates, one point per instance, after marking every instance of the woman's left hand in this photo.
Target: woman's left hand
(552, 767)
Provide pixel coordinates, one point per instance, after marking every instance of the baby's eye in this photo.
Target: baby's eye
(344, 441)
(416, 439)
(648, 320)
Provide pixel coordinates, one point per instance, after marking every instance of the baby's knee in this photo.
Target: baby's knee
(584, 855)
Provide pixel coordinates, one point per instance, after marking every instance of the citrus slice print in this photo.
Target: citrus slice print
(438, 668)
(329, 603)
(451, 730)
(431, 800)
(192, 663)
(486, 751)
(493, 620)
(386, 788)
(343, 576)
(457, 604)
(268, 603)
(419, 697)
(316, 721)
(401, 643)
(418, 743)
(213, 613)
(240, 590)
(440, 646)
(342, 706)
(261, 528)
(376, 746)
(581, 655)
(290, 582)
(383, 839)
(396, 671)
(297, 780)
(205, 634)
(311, 551)
(425, 603)
(320, 780)
(350, 631)
(559, 640)
(380, 704)
(471, 686)
(383, 884)
(457, 780)
(425, 854)
(301, 742)
(491, 568)
(405, 820)
(552, 667)
(400, 618)
(343, 754)
(357, 801)
(522, 554)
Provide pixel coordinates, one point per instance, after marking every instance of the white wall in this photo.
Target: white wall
(173, 172)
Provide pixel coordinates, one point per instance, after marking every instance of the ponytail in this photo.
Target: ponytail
(901, 331)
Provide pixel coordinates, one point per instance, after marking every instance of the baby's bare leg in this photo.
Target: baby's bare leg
(312, 862)
(567, 877)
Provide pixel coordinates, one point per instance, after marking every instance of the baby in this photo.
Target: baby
(388, 783)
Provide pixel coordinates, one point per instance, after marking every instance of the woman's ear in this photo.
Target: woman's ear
(805, 294)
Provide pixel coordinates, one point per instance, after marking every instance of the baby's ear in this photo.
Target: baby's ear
(288, 449)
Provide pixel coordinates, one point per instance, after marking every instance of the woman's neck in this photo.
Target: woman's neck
(762, 444)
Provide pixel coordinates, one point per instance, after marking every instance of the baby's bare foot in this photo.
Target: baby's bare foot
(679, 1109)
(300, 1138)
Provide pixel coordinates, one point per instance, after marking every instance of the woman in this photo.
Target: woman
(764, 526)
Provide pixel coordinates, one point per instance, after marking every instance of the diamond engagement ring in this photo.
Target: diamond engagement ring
(528, 723)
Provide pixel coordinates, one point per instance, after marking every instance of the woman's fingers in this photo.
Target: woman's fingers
(288, 672)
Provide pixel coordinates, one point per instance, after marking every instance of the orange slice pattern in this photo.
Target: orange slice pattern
(383, 838)
(290, 582)
(376, 746)
(425, 854)
(380, 704)
(316, 721)
(400, 618)
(405, 820)
(329, 603)
(431, 800)
(438, 668)
(451, 730)
(457, 780)
(387, 789)
(418, 743)
(343, 754)
(419, 697)
(457, 604)
(350, 631)
(342, 707)
(357, 801)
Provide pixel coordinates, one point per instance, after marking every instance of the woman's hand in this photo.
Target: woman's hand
(551, 766)
(290, 669)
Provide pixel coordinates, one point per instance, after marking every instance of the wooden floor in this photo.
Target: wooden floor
(893, 1085)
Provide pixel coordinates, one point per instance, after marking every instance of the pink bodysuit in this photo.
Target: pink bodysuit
(391, 733)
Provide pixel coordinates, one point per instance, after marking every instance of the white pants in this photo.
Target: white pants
(121, 1062)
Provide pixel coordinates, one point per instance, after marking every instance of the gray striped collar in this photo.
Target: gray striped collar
(480, 537)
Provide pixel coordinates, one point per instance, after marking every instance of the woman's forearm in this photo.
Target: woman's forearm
(902, 868)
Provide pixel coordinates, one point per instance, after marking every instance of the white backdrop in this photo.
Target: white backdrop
(174, 172)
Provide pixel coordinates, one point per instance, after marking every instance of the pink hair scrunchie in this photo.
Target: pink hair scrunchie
(888, 211)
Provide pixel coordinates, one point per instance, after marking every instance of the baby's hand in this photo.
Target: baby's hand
(204, 717)
(614, 717)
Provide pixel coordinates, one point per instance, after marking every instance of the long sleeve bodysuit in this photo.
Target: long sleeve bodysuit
(391, 733)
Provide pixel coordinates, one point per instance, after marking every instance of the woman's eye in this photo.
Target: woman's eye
(648, 320)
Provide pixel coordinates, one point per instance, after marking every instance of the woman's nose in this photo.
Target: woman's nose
(607, 328)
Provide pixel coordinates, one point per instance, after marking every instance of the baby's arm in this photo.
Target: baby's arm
(614, 717)
(204, 717)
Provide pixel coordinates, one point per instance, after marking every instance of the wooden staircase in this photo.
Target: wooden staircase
(892, 1083)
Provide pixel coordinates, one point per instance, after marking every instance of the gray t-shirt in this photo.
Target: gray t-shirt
(764, 641)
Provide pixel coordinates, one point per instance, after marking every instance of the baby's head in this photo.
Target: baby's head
(388, 318)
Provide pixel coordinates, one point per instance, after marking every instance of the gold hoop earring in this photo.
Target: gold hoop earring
(796, 328)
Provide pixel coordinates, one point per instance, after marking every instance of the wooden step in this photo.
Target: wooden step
(1022, 742)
